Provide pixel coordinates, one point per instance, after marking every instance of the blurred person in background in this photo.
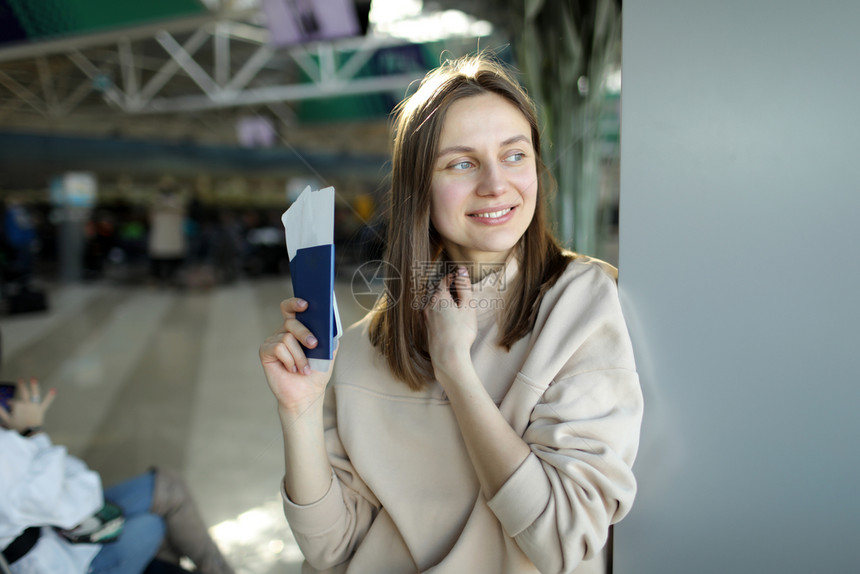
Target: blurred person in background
(167, 238)
(55, 518)
(21, 242)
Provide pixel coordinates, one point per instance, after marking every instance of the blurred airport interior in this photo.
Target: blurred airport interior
(147, 151)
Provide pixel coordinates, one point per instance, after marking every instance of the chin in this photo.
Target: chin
(497, 247)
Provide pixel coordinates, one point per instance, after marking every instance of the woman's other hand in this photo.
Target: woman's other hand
(452, 323)
(295, 385)
(27, 410)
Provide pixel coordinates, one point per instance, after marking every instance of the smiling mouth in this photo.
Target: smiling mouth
(492, 214)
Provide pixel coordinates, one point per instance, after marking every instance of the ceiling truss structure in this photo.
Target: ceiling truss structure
(220, 60)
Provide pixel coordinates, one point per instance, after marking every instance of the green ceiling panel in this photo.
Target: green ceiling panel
(412, 58)
(45, 19)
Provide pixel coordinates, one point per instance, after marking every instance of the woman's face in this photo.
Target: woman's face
(484, 184)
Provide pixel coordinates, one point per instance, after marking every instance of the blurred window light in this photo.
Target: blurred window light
(384, 11)
(407, 19)
(258, 539)
(612, 83)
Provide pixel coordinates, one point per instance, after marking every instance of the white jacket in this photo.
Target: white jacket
(41, 484)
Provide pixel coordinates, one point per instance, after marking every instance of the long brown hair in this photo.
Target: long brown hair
(397, 328)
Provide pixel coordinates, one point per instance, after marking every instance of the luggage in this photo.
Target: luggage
(25, 300)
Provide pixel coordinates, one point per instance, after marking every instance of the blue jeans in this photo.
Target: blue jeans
(143, 532)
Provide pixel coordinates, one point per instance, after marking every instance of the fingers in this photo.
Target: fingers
(455, 287)
(29, 406)
(289, 308)
(442, 292)
(23, 391)
(49, 398)
(463, 286)
(286, 349)
(35, 393)
(296, 354)
(286, 346)
(301, 333)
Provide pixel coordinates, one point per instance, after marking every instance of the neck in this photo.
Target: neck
(479, 265)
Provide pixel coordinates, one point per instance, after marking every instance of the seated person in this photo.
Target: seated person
(45, 493)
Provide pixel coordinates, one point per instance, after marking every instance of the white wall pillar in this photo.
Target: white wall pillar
(739, 275)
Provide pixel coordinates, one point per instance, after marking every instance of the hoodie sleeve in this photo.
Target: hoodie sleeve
(584, 430)
(329, 530)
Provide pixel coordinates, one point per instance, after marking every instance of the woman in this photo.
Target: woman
(481, 421)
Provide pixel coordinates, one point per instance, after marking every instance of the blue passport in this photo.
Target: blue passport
(312, 276)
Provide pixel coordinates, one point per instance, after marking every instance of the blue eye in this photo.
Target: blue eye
(460, 165)
(518, 156)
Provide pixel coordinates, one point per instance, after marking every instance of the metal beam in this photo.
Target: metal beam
(221, 53)
(328, 73)
(129, 72)
(330, 66)
(253, 65)
(47, 80)
(74, 98)
(111, 92)
(302, 58)
(245, 32)
(160, 79)
(30, 50)
(184, 59)
(24, 94)
(351, 67)
(270, 94)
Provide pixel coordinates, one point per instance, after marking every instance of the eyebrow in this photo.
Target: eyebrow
(467, 149)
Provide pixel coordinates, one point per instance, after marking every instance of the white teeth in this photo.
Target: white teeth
(493, 214)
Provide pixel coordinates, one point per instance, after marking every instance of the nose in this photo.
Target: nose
(492, 181)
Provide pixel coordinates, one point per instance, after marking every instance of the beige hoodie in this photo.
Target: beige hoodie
(404, 496)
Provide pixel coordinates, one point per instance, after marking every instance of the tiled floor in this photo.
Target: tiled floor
(149, 376)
